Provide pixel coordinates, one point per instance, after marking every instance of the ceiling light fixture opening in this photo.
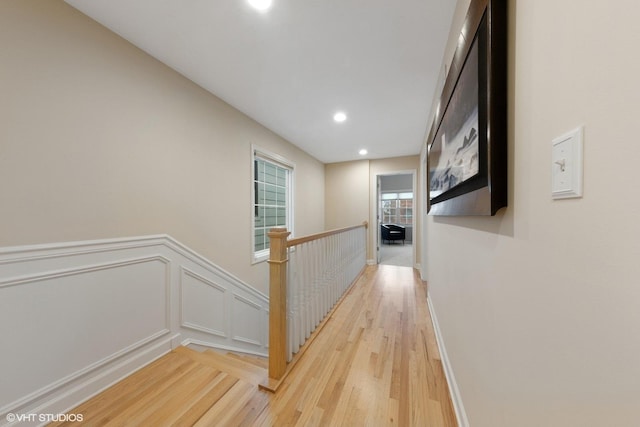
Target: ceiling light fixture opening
(339, 117)
(260, 5)
(363, 152)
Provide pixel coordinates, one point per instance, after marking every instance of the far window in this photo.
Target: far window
(397, 208)
(271, 200)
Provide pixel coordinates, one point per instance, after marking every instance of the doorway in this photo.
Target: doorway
(395, 228)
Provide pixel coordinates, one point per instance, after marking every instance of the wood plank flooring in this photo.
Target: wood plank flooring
(376, 363)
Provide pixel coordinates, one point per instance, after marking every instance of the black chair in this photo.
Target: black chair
(392, 232)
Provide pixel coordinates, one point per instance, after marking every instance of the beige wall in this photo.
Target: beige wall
(346, 194)
(539, 305)
(99, 140)
(351, 192)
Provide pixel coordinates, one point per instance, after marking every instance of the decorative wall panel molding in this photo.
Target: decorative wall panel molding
(203, 305)
(246, 314)
(77, 317)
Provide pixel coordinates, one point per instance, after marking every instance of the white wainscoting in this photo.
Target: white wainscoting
(77, 317)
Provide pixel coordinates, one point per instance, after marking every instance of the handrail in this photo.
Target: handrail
(327, 286)
(312, 237)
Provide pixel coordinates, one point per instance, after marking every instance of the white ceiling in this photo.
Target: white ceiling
(292, 67)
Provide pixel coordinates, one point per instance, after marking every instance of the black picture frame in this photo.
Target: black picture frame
(467, 142)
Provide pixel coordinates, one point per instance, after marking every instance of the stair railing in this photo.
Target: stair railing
(308, 276)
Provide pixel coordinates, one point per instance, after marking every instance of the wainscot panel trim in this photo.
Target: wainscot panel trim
(91, 267)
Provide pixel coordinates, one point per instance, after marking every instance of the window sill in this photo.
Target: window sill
(259, 257)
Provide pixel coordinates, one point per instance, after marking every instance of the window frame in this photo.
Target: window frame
(395, 199)
(282, 162)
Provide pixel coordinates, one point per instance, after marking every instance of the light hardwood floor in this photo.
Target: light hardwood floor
(375, 363)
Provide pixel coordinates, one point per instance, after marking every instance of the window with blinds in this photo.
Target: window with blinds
(271, 201)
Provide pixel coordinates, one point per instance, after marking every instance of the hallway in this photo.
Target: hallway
(375, 363)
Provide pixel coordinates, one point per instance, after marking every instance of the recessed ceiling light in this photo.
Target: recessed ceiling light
(339, 117)
(260, 4)
(363, 152)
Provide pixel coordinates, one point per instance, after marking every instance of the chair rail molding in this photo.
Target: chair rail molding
(77, 317)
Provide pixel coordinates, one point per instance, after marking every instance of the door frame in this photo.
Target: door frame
(376, 215)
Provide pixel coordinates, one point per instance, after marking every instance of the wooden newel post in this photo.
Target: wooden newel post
(278, 301)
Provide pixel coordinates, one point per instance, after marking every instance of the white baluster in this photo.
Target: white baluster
(291, 302)
(319, 273)
(294, 254)
(304, 285)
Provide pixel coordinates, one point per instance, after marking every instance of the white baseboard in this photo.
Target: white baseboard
(456, 398)
(81, 316)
